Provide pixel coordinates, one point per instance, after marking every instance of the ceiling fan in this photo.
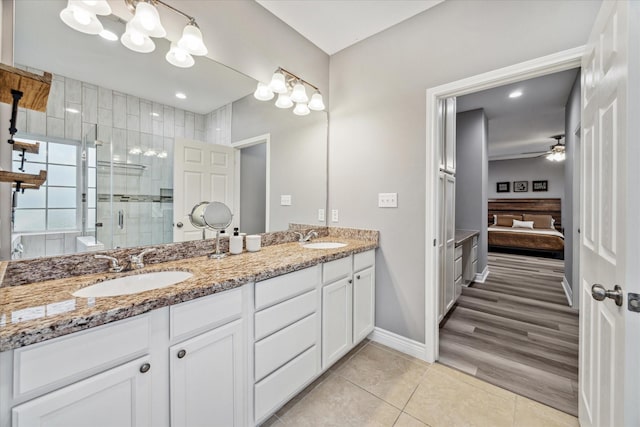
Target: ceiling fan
(557, 152)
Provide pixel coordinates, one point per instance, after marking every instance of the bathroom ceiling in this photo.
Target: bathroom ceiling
(526, 123)
(337, 24)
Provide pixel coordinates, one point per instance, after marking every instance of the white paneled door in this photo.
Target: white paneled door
(608, 380)
(201, 172)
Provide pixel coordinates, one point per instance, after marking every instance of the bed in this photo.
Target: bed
(542, 215)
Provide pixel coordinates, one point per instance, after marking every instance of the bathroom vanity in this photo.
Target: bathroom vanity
(226, 347)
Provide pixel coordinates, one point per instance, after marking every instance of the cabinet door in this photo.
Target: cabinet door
(336, 320)
(118, 397)
(450, 135)
(206, 379)
(364, 294)
(450, 240)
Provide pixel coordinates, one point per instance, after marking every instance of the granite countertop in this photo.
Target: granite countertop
(463, 235)
(41, 311)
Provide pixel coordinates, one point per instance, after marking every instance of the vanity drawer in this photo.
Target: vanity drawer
(474, 253)
(76, 356)
(277, 349)
(334, 270)
(204, 313)
(280, 315)
(458, 252)
(281, 288)
(457, 267)
(285, 382)
(364, 260)
(475, 240)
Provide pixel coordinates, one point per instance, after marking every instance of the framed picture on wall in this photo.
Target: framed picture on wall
(502, 187)
(520, 186)
(540, 185)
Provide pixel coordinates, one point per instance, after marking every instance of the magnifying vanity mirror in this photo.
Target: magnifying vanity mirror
(127, 160)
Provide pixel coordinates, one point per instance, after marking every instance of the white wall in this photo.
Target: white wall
(377, 122)
(531, 169)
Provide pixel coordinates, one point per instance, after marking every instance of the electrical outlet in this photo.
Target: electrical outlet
(285, 200)
(387, 200)
(320, 214)
(334, 215)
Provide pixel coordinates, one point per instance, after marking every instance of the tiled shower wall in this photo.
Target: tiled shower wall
(124, 122)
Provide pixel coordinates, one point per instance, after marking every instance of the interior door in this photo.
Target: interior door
(608, 243)
(201, 172)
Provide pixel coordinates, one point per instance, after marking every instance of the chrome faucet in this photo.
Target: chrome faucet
(302, 238)
(137, 261)
(115, 264)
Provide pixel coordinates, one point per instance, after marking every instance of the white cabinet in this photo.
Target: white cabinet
(447, 276)
(337, 318)
(206, 379)
(447, 134)
(348, 304)
(120, 396)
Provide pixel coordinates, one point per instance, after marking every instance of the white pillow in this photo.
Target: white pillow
(522, 224)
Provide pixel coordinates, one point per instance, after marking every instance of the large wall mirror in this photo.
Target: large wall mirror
(127, 160)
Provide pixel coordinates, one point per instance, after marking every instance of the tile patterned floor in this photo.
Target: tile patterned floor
(378, 386)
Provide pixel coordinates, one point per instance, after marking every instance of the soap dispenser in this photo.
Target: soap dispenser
(235, 242)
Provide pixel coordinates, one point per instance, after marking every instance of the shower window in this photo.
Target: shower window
(56, 206)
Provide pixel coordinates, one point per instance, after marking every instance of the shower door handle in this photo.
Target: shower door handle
(121, 219)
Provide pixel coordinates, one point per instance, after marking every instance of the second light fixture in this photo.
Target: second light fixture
(291, 91)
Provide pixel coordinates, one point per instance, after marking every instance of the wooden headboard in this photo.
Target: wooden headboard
(551, 207)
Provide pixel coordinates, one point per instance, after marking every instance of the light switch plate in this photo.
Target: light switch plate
(334, 215)
(285, 200)
(320, 214)
(387, 200)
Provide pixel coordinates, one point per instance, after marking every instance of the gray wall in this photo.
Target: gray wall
(378, 127)
(471, 177)
(298, 158)
(253, 172)
(571, 220)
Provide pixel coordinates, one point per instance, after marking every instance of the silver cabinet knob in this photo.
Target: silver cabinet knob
(599, 293)
(179, 225)
(145, 367)
(182, 353)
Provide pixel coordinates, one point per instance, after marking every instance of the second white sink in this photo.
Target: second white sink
(324, 245)
(133, 284)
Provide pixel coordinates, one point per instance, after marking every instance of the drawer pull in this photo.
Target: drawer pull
(182, 353)
(145, 368)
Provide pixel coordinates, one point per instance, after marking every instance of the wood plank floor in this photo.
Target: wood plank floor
(516, 331)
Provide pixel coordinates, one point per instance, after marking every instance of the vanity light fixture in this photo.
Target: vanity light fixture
(135, 150)
(291, 90)
(162, 155)
(150, 152)
(145, 24)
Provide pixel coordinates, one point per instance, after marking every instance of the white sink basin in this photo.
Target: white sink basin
(324, 245)
(133, 284)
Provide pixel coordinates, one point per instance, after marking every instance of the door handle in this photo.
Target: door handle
(599, 293)
(179, 225)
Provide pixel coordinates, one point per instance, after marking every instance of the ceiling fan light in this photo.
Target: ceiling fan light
(80, 19)
(284, 101)
(301, 109)
(316, 103)
(278, 83)
(191, 40)
(179, 57)
(263, 92)
(299, 94)
(137, 40)
(147, 20)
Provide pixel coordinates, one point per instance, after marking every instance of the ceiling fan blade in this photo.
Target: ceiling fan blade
(537, 152)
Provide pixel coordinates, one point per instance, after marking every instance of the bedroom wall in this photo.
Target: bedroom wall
(571, 220)
(471, 177)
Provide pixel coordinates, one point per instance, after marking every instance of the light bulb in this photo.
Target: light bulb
(278, 83)
(299, 93)
(263, 92)
(147, 20)
(136, 40)
(284, 101)
(98, 7)
(150, 152)
(78, 17)
(191, 40)
(301, 109)
(179, 57)
(316, 103)
(82, 16)
(135, 150)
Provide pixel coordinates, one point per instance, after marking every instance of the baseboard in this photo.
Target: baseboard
(481, 277)
(567, 291)
(398, 342)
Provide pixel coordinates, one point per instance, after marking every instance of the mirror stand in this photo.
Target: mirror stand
(217, 254)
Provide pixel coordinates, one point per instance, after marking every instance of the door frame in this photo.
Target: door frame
(541, 66)
(239, 145)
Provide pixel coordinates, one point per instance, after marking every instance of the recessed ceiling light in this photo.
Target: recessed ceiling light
(515, 94)
(108, 35)
(181, 95)
(71, 110)
(155, 114)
